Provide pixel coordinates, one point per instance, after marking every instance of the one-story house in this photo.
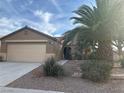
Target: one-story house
(29, 45)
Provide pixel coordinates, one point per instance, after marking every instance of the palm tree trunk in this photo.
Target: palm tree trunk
(104, 51)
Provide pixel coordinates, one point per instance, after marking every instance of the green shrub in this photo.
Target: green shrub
(97, 71)
(92, 56)
(51, 68)
(122, 63)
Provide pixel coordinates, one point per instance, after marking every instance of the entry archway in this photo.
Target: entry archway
(67, 53)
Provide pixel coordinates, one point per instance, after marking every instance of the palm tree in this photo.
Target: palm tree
(97, 24)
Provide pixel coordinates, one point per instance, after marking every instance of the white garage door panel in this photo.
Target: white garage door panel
(26, 52)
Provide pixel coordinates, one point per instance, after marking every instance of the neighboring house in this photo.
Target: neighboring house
(29, 45)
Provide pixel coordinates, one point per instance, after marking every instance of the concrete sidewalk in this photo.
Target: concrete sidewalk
(62, 62)
(19, 90)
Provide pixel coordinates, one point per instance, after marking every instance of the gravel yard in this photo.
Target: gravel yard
(68, 83)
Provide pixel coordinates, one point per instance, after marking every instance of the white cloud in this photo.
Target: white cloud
(44, 16)
(8, 8)
(56, 5)
(45, 23)
(30, 1)
(57, 35)
(8, 25)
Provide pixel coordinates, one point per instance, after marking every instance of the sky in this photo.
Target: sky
(49, 16)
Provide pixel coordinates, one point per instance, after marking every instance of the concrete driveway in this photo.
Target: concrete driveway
(10, 71)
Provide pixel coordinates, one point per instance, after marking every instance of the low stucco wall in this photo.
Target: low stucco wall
(3, 55)
(116, 57)
(49, 56)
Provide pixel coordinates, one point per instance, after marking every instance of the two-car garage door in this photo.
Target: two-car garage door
(26, 52)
